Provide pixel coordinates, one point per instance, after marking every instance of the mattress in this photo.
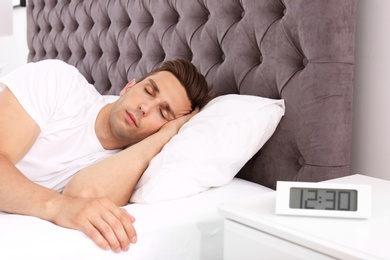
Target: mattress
(188, 228)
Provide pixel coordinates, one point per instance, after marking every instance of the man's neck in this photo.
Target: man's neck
(103, 130)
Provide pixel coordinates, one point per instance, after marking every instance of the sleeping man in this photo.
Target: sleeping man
(72, 156)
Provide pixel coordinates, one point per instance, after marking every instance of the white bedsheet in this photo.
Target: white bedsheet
(187, 228)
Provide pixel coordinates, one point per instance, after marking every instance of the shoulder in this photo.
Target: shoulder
(39, 75)
(47, 87)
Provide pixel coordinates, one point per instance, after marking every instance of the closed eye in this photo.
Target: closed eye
(164, 114)
(148, 91)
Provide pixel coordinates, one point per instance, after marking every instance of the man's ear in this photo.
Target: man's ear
(128, 87)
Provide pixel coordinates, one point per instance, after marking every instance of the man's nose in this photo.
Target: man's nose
(146, 107)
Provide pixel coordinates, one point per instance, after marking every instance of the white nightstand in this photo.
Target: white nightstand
(253, 230)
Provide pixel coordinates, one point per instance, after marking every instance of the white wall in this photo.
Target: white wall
(371, 129)
(13, 48)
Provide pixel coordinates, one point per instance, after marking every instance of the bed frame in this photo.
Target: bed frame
(298, 50)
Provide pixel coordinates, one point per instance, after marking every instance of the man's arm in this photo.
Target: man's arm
(106, 224)
(116, 176)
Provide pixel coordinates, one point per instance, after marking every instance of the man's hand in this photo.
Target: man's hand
(177, 123)
(109, 226)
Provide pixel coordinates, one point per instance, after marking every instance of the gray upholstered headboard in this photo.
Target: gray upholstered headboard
(298, 50)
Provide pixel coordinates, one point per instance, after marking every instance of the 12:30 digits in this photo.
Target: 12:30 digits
(323, 199)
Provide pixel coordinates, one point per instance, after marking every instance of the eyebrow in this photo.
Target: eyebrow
(165, 104)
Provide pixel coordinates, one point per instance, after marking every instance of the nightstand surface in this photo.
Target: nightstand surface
(334, 237)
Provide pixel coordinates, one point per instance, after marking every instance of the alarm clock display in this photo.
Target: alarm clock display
(323, 199)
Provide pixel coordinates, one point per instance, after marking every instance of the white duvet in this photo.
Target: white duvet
(188, 228)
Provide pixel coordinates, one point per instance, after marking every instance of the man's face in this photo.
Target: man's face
(147, 105)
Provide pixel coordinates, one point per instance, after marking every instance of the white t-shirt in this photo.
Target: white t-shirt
(65, 107)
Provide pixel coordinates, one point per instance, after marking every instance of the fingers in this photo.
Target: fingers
(109, 226)
(180, 121)
(94, 234)
(130, 216)
(194, 112)
(116, 227)
(123, 232)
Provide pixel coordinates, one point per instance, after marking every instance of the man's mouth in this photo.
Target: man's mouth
(131, 119)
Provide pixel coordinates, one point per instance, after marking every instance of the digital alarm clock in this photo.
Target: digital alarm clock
(323, 199)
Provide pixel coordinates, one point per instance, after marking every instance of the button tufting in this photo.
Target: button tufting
(305, 62)
(208, 14)
(301, 161)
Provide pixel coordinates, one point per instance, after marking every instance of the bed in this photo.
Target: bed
(300, 52)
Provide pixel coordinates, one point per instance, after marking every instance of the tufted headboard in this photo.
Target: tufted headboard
(298, 50)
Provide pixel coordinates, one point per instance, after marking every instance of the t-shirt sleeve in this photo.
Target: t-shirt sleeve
(42, 88)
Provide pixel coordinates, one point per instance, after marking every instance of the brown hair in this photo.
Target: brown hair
(195, 84)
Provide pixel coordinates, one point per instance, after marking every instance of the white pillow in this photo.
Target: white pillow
(211, 148)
